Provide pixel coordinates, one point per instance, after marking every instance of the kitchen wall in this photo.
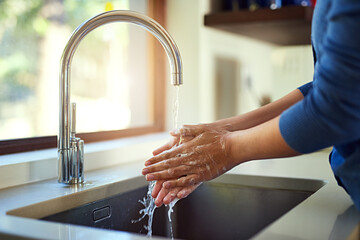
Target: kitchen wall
(253, 69)
(257, 68)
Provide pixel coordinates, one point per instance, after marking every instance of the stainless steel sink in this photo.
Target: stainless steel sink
(229, 207)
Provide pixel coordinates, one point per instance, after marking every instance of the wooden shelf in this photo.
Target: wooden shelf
(289, 25)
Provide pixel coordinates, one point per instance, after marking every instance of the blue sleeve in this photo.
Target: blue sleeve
(305, 89)
(330, 112)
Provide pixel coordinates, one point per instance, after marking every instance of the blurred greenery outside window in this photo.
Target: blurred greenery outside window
(109, 77)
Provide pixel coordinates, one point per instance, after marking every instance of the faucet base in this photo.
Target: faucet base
(71, 163)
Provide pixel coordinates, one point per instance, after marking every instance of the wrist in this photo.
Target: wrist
(222, 124)
(232, 149)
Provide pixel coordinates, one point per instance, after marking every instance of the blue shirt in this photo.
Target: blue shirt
(329, 114)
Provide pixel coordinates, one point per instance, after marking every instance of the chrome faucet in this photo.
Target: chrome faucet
(71, 148)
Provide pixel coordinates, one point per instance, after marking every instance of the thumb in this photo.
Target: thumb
(192, 130)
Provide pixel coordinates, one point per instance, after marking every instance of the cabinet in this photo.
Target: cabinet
(290, 25)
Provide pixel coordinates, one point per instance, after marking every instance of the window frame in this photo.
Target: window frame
(157, 91)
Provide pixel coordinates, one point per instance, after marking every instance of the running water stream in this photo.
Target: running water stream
(148, 201)
(175, 126)
(148, 210)
(176, 107)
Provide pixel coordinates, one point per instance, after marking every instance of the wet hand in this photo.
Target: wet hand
(187, 133)
(166, 196)
(202, 158)
(174, 141)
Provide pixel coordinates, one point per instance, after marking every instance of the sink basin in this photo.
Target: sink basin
(228, 207)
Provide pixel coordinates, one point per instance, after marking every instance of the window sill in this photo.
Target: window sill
(22, 168)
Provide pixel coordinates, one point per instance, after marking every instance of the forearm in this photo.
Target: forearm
(260, 142)
(262, 114)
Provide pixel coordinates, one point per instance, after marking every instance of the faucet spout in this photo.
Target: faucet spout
(70, 157)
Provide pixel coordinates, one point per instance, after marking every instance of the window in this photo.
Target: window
(116, 79)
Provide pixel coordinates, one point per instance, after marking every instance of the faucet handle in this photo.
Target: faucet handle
(76, 151)
(73, 120)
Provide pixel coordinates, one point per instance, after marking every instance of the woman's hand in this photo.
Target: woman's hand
(164, 195)
(174, 141)
(187, 133)
(202, 158)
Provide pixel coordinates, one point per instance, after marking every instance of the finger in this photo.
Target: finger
(169, 173)
(157, 158)
(164, 147)
(180, 138)
(159, 199)
(161, 149)
(186, 181)
(156, 189)
(184, 139)
(176, 162)
(169, 154)
(184, 192)
(171, 196)
(175, 132)
(191, 130)
(165, 164)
